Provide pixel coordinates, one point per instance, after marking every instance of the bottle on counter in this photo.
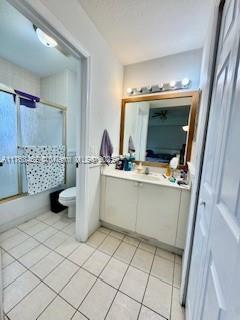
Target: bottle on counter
(120, 163)
(127, 163)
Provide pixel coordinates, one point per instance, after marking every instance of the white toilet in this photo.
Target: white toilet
(68, 198)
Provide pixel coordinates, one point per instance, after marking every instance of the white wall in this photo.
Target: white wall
(175, 67)
(105, 87)
(18, 78)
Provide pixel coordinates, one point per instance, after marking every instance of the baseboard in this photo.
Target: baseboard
(15, 222)
(138, 236)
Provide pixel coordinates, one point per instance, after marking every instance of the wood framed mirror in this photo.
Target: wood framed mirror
(159, 127)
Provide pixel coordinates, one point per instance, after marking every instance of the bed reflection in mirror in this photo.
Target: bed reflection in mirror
(157, 130)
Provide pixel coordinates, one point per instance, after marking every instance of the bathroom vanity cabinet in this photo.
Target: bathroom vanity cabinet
(152, 210)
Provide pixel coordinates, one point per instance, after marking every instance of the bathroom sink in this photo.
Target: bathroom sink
(146, 177)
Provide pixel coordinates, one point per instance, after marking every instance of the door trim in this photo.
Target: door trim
(48, 22)
(195, 200)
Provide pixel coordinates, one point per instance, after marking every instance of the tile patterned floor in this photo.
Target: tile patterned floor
(48, 275)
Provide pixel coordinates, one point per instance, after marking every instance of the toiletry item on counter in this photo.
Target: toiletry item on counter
(184, 174)
(174, 164)
(119, 163)
(128, 162)
(181, 182)
(172, 179)
(168, 171)
(146, 171)
(140, 168)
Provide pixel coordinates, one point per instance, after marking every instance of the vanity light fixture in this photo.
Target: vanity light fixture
(129, 90)
(185, 128)
(185, 82)
(166, 86)
(45, 38)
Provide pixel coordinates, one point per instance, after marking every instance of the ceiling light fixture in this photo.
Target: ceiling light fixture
(45, 38)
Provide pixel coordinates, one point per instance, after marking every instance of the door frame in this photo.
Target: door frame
(205, 105)
(49, 23)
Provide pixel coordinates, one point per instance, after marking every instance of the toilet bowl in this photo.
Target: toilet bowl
(68, 198)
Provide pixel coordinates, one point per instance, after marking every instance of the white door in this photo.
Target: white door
(214, 283)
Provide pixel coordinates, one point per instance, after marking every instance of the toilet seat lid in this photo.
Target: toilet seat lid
(69, 193)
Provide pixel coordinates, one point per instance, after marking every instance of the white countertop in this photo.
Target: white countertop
(152, 178)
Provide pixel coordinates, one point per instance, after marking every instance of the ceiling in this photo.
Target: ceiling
(167, 103)
(139, 30)
(20, 45)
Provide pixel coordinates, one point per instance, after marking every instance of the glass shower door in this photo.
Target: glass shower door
(40, 126)
(8, 146)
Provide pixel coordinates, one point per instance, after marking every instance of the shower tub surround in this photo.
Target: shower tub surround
(47, 274)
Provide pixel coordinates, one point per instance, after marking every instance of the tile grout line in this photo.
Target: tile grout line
(61, 230)
(41, 280)
(98, 277)
(82, 266)
(39, 221)
(147, 283)
(65, 258)
(51, 251)
(118, 290)
(69, 280)
(79, 267)
(172, 287)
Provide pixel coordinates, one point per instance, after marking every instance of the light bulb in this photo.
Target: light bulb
(185, 128)
(46, 39)
(185, 82)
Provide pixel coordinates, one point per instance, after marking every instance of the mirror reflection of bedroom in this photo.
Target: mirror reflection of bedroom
(158, 129)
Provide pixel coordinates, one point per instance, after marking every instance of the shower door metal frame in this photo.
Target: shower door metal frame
(19, 142)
